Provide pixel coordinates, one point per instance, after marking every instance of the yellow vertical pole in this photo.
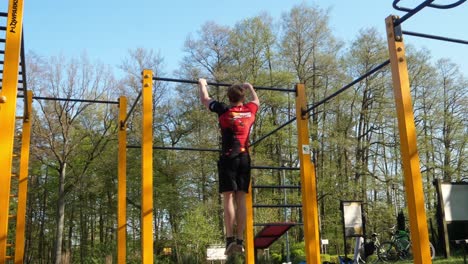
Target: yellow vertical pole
(23, 182)
(122, 185)
(8, 97)
(249, 229)
(408, 148)
(147, 169)
(308, 180)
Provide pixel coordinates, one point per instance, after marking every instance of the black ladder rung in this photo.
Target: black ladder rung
(276, 186)
(19, 117)
(12, 216)
(9, 257)
(14, 175)
(15, 155)
(9, 245)
(277, 205)
(13, 195)
(277, 224)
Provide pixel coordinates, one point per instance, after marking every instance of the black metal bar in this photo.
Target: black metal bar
(3, 14)
(221, 84)
(23, 75)
(411, 12)
(325, 100)
(276, 186)
(273, 168)
(416, 34)
(131, 109)
(177, 148)
(19, 81)
(71, 100)
(2, 40)
(2, 28)
(3, 62)
(276, 206)
(448, 6)
(362, 77)
(278, 224)
(274, 131)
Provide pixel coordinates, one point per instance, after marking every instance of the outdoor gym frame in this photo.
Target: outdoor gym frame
(309, 202)
(405, 115)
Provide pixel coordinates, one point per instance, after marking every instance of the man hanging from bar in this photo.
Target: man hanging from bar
(235, 121)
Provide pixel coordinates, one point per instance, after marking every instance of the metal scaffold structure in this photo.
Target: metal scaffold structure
(14, 86)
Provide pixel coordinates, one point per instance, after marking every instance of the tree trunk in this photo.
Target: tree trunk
(60, 213)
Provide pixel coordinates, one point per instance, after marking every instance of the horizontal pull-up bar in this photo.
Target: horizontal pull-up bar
(222, 84)
(434, 37)
(177, 148)
(71, 100)
(274, 168)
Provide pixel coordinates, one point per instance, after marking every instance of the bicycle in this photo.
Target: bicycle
(399, 247)
(366, 250)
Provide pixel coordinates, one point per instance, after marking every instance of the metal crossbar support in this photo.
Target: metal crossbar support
(279, 224)
(8, 112)
(408, 145)
(273, 168)
(132, 108)
(177, 148)
(276, 187)
(349, 85)
(72, 100)
(122, 185)
(308, 180)
(147, 169)
(222, 84)
(326, 99)
(277, 205)
(23, 182)
(416, 34)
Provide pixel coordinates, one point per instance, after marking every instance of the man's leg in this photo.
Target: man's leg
(229, 213)
(229, 220)
(241, 214)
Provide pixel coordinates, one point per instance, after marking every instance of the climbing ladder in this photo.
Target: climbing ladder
(11, 51)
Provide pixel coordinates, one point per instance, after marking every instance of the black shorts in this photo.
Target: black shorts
(234, 173)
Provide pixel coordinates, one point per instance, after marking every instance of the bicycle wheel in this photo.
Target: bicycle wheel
(431, 250)
(388, 252)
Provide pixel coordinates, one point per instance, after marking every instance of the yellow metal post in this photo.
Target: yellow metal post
(249, 229)
(122, 185)
(147, 169)
(23, 182)
(408, 148)
(308, 180)
(8, 97)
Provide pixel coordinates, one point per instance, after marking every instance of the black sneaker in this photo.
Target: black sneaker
(239, 246)
(230, 246)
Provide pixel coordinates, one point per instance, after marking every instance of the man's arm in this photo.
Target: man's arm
(203, 91)
(252, 91)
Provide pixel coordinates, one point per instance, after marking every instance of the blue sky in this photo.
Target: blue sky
(106, 29)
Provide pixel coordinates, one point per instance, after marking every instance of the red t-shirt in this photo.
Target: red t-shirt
(235, 123)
